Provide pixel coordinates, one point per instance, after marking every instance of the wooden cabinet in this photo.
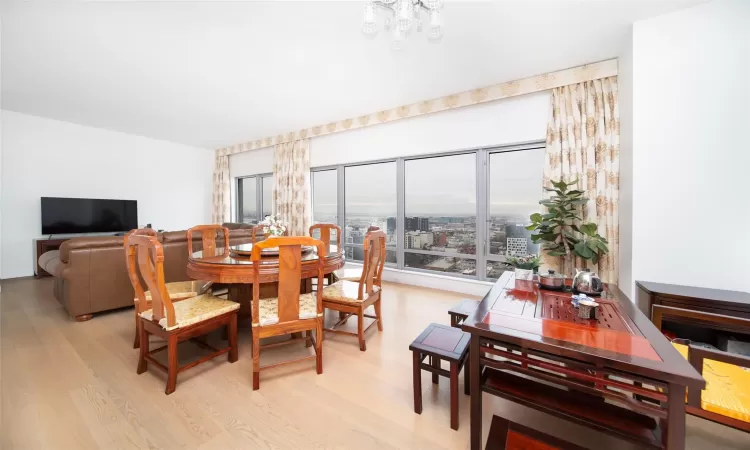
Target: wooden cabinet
(42, 247)
(716, 301)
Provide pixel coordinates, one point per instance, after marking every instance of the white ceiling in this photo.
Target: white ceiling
(212, 74)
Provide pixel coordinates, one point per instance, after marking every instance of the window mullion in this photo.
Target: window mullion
(400, 212)
(482, 208)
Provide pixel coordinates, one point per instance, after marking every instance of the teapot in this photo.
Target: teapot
(587, 282)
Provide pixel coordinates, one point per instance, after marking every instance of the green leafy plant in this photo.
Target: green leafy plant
(560, 230)
(528, 262)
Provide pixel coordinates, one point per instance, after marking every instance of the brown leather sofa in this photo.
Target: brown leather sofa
(91, 276)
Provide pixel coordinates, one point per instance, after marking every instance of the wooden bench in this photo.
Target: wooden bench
(440, 342)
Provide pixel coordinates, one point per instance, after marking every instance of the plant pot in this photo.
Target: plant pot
(524, 274)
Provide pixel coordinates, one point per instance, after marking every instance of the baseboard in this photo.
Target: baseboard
(434, 281)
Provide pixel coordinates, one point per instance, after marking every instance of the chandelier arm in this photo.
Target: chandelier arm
(384, 5)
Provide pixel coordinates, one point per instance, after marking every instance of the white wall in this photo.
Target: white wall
(43, 157)
(691, 116)
(509, 121)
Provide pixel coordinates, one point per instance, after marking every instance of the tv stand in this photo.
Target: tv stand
(44, 245)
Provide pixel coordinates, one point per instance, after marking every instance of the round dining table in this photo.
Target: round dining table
(232, 267)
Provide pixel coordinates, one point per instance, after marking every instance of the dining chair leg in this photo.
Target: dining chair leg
(137, 339)
(256, 360)
(377, 314)
(308, 339)
(342, 316)
(143, 339)
(232, 338)
(361, 329)
(319, 347)
(172, 366)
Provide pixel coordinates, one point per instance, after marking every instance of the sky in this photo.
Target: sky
(440, 186)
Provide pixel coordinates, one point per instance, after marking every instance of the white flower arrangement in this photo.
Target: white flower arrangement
(273, 226)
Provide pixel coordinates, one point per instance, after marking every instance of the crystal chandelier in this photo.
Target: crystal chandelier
(404, 16)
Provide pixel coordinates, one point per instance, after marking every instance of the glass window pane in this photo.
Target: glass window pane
(441, 204)
(248, 209)
(450, 264)
(325, 196)
(370, 192)
(515, 189)
(495, 269)
(357, 253)
(267, 195)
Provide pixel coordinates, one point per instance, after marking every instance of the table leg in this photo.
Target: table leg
(417, 362)
(675, 417)
(476, 395)
(454, 395)
(435, 361)
(467, 380)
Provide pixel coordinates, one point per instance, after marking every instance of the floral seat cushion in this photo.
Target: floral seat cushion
(346, 291)
(727, 387)
(181, 289)
(194, 310)
(268, 309)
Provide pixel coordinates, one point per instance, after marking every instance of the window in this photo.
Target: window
(254, 198)
(325, 196)
(370, 199)
(459, 214)
(267, 195)
(247, 211)
(440, 213)
(514, 193)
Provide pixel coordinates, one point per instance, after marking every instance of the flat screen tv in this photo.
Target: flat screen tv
(87, 215)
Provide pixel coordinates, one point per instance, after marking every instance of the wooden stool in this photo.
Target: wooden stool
(440, 342)
(460, 311)
(507, 435)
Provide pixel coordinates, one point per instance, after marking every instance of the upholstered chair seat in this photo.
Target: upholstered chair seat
(727, 387)
(345, 291)
(182, 289)
(195, 309)
(269, 309)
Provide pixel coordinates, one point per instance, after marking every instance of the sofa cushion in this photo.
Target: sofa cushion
(89, 243)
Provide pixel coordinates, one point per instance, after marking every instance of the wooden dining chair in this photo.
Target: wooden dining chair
(257, 229)
(173, 321)
(290, 312)
(178, 290)
(353, 298)
(208, 233)
(323, 230)
(353, 275)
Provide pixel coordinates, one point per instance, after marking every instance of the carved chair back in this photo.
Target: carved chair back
(209, 233)
(257, 229)
(290, 275)
(374, 260)
(145, 261)
(324, 231)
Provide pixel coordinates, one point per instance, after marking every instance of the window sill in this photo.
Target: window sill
(432, 280)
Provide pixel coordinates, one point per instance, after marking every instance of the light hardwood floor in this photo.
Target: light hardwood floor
(69, 385)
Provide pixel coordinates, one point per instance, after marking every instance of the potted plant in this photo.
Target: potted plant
(272, 226)
(560, 230)
(525, 266)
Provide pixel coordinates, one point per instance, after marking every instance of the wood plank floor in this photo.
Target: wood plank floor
(69, 385)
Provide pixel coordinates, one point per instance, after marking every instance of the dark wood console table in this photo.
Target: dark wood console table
(617, 374)
(716, 301)
(43, 246)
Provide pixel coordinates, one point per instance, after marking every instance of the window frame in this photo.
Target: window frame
(482, 256)
(259, 206)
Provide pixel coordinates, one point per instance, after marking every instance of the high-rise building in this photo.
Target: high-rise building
(417, 224)
(517, 246)
(391, 225)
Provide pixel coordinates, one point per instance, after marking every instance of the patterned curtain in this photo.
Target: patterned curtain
(291, 193)
(221, 202)
(583, 142)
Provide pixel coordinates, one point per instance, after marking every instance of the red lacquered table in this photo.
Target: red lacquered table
(617, 374)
